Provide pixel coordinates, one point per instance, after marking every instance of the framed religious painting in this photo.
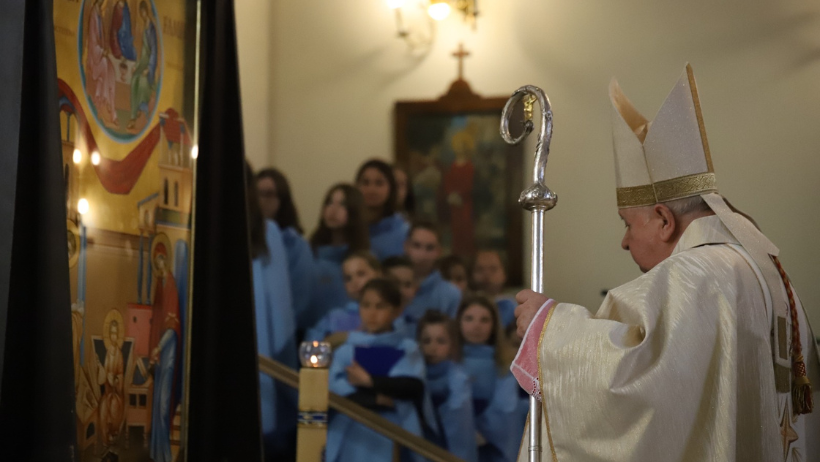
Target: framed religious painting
(462, 174)
(126, 80)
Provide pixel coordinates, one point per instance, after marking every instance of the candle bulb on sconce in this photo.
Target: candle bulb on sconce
(315, 354)
(82, 206)
(415, 19)
(439, 9)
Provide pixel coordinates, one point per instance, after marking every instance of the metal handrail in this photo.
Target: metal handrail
(362, 415)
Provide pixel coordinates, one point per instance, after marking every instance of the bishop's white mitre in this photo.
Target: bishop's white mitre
(665, 159)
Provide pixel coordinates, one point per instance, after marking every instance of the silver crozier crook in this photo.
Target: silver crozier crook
(537, 199)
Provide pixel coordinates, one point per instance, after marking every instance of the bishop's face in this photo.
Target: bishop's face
(642, 237)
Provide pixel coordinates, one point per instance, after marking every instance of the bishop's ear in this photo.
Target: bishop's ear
(668, 222)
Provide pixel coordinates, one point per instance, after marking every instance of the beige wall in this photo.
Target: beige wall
(253, 18)
(324, 76)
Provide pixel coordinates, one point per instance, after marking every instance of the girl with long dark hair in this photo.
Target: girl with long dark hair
(486, 358)
(341, 231)
(275, 325)
(276, 203)
(387, 228)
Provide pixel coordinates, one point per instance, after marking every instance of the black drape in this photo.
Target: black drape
(223, 418)
(37, 396)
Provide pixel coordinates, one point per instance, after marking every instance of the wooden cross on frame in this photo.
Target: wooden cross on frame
(460, 55)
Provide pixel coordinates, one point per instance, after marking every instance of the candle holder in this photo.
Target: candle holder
(315, 354)
(313, 400)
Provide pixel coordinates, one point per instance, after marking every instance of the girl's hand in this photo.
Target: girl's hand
(358, 376)
(385, 401)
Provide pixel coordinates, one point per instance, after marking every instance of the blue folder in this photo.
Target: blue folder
(378, 360)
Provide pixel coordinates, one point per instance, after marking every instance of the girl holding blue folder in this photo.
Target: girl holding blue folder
(379, 369)
(494, 389)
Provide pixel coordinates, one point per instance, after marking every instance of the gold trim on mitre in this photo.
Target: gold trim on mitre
(701, 126)
(668, 190)
(667, 158)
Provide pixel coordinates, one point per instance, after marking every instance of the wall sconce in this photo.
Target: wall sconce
(413, 17)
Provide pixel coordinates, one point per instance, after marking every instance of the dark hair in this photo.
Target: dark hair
(144, 6)
(434, 317)
(396, 262)
(386, 289)
(409, 204)
(355, 231)
(286, 216)
(449, 262)
(497, 334)
(385, 169)
(256, 222)
(425, 224)
(367, 256)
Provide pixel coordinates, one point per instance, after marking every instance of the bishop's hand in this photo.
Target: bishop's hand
(529, 302)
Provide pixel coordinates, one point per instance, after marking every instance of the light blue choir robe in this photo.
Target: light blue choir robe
(405, 327)
(348, 441)
(328, 291)
(506, 309)
(302, 279)
(434, 293)
(347, 319)
(495, 402)
(449, 388)
(343, 319)
(387, 236)
(275, 335)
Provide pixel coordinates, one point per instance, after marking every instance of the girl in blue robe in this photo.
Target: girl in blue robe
(448, 385)
(275, 327)
(381, 370)
(400, 271)
(489, 276)
(495, 398)
(433, 292)
(359, 268)
(341, 231)
(454, 270)
(276, 203)
(388, 229)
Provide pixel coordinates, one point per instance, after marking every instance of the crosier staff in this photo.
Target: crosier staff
(538, 199)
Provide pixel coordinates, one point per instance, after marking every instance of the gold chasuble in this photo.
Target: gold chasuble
(696, 359)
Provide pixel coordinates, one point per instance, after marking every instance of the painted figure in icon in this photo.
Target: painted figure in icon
(110, 376)
(121, 40)
(144, 78)
(165, 351)
(458, 189)
(99, 62)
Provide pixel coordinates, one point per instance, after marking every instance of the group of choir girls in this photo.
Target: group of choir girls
(422, 340)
